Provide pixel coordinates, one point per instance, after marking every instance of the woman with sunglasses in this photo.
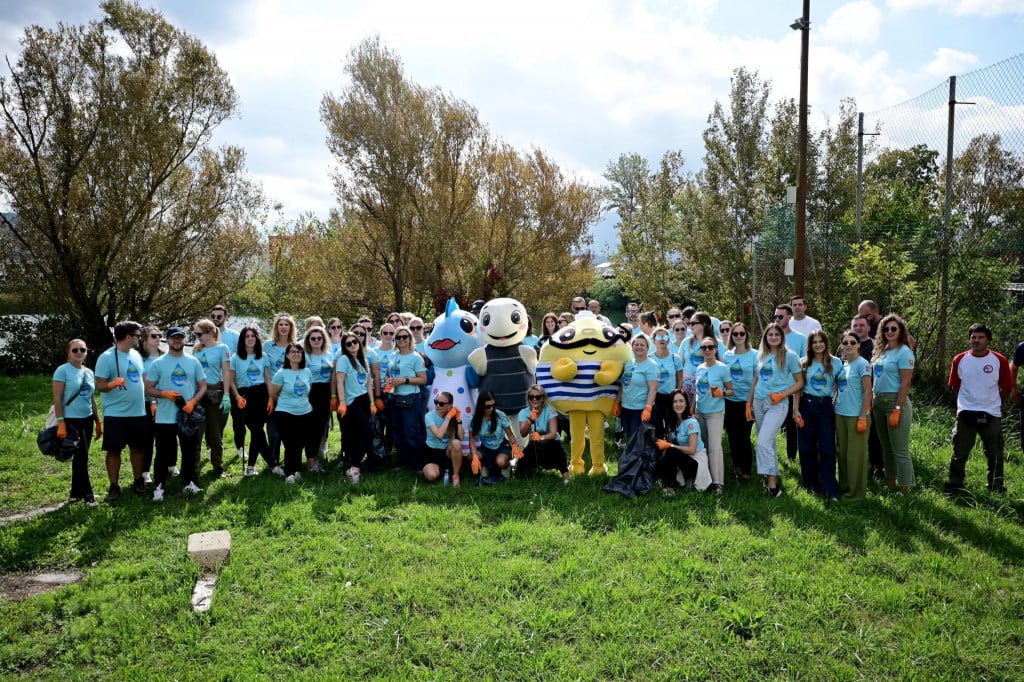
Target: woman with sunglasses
(335, 328)
(213, 356)
(778, 376)
(638, 386)
(283, 333)
(538, 422)
(670, 377)
(444, 439)
(248, 381)
(683, 452)
(893, 365)
(149, 349)
(853, 411)
(406, 374)
(498, 444)
(741, 360)
(322, 396)
(355, 403)
(724, 329)
(814, 414)
(679, 326)
(74, 405)
(289, 398)
(701, 327)
(713, 385)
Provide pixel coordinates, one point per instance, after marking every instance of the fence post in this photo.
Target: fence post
(946, 227)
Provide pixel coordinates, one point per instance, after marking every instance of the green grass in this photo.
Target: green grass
(530, 580)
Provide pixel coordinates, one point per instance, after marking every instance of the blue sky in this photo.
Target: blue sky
(583, 80)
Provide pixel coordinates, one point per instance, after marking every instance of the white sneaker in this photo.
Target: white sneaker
(353, 475)
(250, 471)
(158, 494)
(294, 478)
(277, 471)
(173, 471)
(241, 454)
(192, 489)
(147, 477)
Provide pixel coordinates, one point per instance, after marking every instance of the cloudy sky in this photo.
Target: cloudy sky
(584, 80)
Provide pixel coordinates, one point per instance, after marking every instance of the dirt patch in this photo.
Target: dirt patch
(12, 517)
(19, 587)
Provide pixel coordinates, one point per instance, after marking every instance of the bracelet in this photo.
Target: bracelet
(60, 419)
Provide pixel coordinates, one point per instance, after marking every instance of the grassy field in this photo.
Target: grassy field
(531, 580)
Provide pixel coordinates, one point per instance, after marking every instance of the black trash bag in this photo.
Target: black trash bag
(377, 458)
(60, 450)
(636, 466)
(191, 424)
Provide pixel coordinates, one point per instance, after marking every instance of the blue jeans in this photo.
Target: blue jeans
(817, 445)
(630, 422)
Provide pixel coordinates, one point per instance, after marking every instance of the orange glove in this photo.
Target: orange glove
(62, 430)
(749, 413)
(152, 410)
(115, 383)
(799, 421)
(776, 398)
(270, 405)
(99, 431)
(170, 395)
(241, 402)
(517, 451)
(379, 403)
(475, 465)
(862, 425)
(716, 392)
(534, 415)
(894, 419)
(452, 413)
(663, 444)
(645, 416)
(373, 409)
(334, 403)
(617, 408)
(535, 436)
(189, 406)
(389, 385)
(342, 409)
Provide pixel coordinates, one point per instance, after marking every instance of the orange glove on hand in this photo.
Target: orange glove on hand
(776, 398)
(663, 444)
(799, 421)
(894, 419)
(389, 385)
(189, 406)
(617, 408)
(534, 436)
(152, 410)
(452, 413)
(241, 402)
(517, 451)
(534, 415)
(749, 413)
(270, 405)
(170, 395)
(99, 431)
(62, 430)
(862, 425)
(716, 392)
(645, 416)
(342, 409)
(115, 383)
(380, 404)
(373, 409)
(334, 403)
(475, 465)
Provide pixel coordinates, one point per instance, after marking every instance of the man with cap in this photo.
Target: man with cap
(229, 337)
(178, 381)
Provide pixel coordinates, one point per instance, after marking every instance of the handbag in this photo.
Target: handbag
(404, 399)
(51, 423)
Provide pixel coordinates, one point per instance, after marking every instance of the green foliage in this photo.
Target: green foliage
(34, 345)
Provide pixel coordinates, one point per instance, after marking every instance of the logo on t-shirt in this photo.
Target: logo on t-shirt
(300, 389)
(988, 369)
(132, 374)
(178, 376)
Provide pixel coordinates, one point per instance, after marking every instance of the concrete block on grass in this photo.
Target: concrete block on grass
(210, 550)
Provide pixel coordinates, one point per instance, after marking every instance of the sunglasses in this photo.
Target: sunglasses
(891, 329)
(535, 397)
(78, 350)
(402, 337)
(692, 324)
(416, 329)
(725, 330)
(316, 338)
(351, 343)
(851, 343)
(779, 317)
(707, 348)
(335, 326)
(661, 337)
(739, 334)
(578, 310)
(362, 336)
(441, 404)
(387, 333)
(679, 330)
(489, 406)
(154, 336)
(295, 351)
(674, 317)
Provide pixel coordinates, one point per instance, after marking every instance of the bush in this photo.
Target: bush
(33, 345)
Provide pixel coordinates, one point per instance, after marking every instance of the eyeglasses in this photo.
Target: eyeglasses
(78, 350)
(661, 337)
(707, 348)
(889, 330)
(739, 334)
(488, 406)
(535, 397)
(440, 403)
(402, 337)
(416, 329)
(387, 333)
(295, 351)
(335, 326)
(154, 336)
(351, 343)
(851, 343)
(779, 317)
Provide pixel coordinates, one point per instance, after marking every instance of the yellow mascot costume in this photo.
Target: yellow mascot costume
(579, 368)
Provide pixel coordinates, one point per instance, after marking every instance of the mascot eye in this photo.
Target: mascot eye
(516, 317)
(566, 335)
(486, 319)
(467, 325)
(609, 334)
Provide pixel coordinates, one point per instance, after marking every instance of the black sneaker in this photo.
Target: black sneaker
(774, 492)
(113, 493)
(952, 488)
(139, 486)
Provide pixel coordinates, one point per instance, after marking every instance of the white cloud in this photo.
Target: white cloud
(948, 61)
(852, 23)
(984, 8)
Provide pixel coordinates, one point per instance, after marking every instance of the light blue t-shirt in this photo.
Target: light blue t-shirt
(250, 371)
(851, 387)
(492, 439)
(212, 358)
(681, 434)
(432, 418)
(772, 379)
(707, 377)
(820, 383)
(543, 421)
(887, 369)
(182, 374)
(294, 395)
(405, 366)
(229, 337)
(356, 376)
(321, 367)
(741, 373)
(274, 355)
(667, 368)
(129, 401)
(384, 358)
(635, 376)
(692, 357)
(797, 342)
(80, 383)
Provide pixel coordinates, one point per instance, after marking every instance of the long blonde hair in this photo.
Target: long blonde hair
(293, 335)
(208, 327)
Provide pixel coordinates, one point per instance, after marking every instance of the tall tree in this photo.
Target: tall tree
(120, 207)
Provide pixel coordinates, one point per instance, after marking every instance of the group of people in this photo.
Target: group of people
(700, 380)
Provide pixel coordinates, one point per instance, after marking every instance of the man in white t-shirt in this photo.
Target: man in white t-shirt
(981, 378)
(801, 321)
